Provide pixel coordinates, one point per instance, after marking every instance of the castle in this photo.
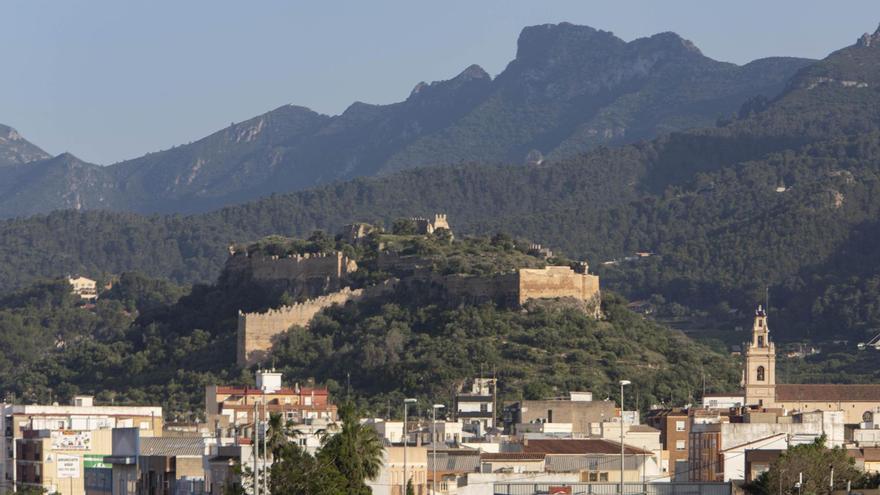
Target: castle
(425, 226)
(322, 280)
(859, 403)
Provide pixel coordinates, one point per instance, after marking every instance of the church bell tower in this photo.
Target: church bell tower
(760, 365)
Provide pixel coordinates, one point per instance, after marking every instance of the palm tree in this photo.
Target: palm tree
(356, 451)
(279, 434)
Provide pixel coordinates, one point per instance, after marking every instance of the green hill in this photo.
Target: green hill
(149, 341)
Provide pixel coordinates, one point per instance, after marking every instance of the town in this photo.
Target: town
(471, 443)
(505, 247)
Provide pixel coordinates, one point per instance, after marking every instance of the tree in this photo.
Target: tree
(814, 461)
(410, 490)
(356, 452)
(296, 472)
(279, 434)
(403, 226)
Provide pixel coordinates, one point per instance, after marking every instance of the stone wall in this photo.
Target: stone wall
(306, 275)
(555, 282)
(516, 288)
(256, 330)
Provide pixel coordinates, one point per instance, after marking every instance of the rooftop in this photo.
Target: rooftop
(586, 446)
(828, 392)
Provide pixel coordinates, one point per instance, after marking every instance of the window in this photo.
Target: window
(594, 476)
(760, 341)
(868, 417)
(760, 373)
(679, 445)
(484, 408)
(549, 415)
(679, 426)
(603, 476)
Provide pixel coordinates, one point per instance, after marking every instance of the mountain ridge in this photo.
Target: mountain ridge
(569, 89)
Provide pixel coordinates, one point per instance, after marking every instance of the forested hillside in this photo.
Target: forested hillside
(147, 340)
(785, 195)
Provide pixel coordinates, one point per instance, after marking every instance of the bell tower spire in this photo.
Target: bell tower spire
(760, 363)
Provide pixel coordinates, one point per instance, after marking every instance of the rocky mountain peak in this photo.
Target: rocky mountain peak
(868, 39)
(16, 150)
(9, 133)
(472, 72)
(537, 43)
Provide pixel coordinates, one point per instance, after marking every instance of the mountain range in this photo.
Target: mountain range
(784, 194)
(569, 89)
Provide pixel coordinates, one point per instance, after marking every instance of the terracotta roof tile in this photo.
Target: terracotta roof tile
(827, 392)
(513, 456)
(588, 446)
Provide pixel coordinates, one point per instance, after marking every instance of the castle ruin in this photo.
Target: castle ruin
(306, 275)
(425, 226)
(256, 331)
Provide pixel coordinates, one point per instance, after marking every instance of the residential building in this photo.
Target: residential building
(578, 409)
(717, 450)
(81, 416)
(596, 460)
(85, 288)
(56, 460)
(391, 480)
(234, 407)
(724, 401)
(674, 426)
(475, 409)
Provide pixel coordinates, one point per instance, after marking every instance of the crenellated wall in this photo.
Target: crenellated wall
(306, 275)
(256, 330)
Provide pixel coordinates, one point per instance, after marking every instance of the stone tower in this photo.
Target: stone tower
(760, 365)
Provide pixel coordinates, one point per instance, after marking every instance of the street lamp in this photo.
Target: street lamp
(622, 384)
(434, 445)
(406, 402)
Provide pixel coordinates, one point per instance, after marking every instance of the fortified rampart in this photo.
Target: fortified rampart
(511, 289)
(256, 330)
(301, 275)
(556, 281)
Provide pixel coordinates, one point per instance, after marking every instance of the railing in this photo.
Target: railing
(672, 488)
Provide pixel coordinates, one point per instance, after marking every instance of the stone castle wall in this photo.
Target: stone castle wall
(556, 281)
(267, 268)
(256, 330)
(516, 288)
(301, 276)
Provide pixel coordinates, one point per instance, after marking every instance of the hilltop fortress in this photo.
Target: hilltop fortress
(321, 280)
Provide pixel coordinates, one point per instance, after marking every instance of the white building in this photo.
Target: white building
(723, 401)
(85, 288)
(82, 416)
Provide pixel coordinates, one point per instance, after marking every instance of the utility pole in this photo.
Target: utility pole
(255, 451)
(434, 446)
(406, 402)
(622, 383)
(265, 452)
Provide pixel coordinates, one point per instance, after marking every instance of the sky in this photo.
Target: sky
(109, 80)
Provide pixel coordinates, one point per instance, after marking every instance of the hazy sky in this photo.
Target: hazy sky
(113, 79)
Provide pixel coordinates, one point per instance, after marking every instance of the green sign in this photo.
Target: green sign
(95, 462)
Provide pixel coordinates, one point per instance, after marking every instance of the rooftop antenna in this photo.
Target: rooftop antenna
(767, 300)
